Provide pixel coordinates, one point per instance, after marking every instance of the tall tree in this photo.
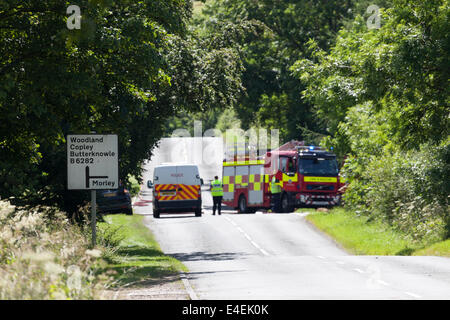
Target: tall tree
(273, 95)
(129, 68)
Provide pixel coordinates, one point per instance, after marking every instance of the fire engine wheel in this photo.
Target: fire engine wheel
(155, 213)
(285, 206)
(242, 204)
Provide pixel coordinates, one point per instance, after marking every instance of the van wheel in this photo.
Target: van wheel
(242, 204)
(286, 207)
(155, 213)
(129, 212)
(198, 212)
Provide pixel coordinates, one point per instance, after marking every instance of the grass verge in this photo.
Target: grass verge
(362, 237)
(438, 249)
(137, 257)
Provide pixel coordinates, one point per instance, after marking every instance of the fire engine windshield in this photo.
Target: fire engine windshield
(318, 166)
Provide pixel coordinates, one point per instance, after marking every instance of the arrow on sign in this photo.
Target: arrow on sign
(88, 177)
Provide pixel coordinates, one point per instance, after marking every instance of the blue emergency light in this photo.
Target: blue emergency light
(311, 148)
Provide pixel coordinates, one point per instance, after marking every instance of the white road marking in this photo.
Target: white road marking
(358, 270)
(264, 252)
(321, 257)
(383, 283)
(412, 295)
(340, 262)
(255, 244)
(188, 287)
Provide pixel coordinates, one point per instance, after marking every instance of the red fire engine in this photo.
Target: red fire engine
(308, 176)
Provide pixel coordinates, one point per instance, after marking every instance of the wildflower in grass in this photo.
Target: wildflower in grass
(38, 256)
(44, 256)
(52, 268)
(94, 253)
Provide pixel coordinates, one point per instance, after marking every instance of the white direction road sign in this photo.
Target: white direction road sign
(92, 162)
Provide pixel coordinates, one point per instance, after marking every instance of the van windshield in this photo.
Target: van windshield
(318, 166)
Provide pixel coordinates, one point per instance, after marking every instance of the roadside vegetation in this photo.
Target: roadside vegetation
(133, 185)
(383, 95)
(362, 235)
(44, 256)
(137, 256)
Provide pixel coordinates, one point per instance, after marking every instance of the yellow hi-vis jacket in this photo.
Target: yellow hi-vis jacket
(275, 186)
(216, 188)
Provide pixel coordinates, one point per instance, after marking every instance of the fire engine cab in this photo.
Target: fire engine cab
(308, 176)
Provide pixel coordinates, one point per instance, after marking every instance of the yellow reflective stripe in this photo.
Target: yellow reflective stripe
(266, 178)
(244, 184)
(251, 178)
(231, 188)
(257, 186)
(286, 178)
(226, 179)
(320, 179)
(237, 179)
(243, 163)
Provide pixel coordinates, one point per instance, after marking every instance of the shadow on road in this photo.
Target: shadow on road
(178, 216)
(210, 207)
(200, 256)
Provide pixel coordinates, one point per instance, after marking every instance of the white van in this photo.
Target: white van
(176, 188)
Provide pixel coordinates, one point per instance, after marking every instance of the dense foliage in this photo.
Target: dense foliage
(275, 35)
(383, 96)
(129, 68)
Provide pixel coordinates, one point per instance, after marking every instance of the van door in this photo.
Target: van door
(188, 181)
(165, 182)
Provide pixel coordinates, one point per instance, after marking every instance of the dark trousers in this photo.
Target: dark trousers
(276, 202)
(217, 203)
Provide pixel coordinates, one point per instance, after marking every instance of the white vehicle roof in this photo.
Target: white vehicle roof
(176, 174)
(174, 164)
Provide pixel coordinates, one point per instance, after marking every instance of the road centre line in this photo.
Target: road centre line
(255, 244)
(264, 252)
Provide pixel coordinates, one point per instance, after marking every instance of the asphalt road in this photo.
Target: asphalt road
(281, 256)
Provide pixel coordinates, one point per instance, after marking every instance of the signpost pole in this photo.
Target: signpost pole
(94, 216)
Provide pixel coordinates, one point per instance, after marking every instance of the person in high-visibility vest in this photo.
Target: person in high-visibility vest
(217, 194)
(275, 189)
